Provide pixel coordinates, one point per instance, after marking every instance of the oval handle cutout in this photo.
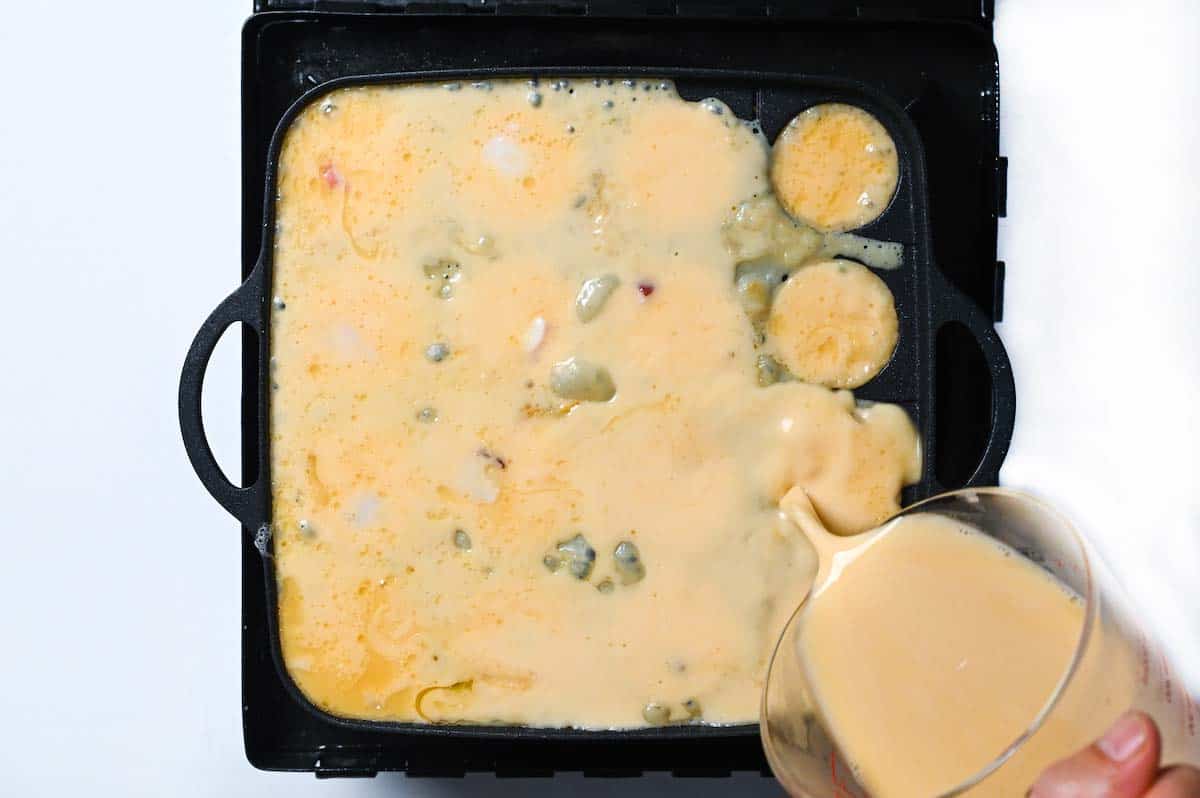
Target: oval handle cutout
(963, 401)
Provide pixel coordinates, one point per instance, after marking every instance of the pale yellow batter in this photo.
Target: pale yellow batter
(835, 167)
(929, 649)
(834, 323)
(522, 469)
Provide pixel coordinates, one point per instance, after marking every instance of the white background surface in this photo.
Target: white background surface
(119, 214)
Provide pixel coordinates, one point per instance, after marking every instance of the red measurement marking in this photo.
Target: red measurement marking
(1144, 661)
(840, 790)
(330, 175)
(1166, 677)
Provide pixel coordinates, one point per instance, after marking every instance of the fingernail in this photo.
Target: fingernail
(1124, 738)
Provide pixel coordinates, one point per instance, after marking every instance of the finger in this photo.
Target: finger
(1121, 764)
(1176, 782)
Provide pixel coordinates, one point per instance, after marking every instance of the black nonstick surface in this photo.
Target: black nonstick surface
(932, 84)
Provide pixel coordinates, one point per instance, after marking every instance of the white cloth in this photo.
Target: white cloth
(1100, 110)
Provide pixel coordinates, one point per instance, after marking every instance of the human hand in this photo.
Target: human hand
(1121, 764)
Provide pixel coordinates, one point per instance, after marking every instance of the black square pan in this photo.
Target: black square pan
(948, 357)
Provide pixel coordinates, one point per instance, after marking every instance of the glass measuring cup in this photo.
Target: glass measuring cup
(1114, 667)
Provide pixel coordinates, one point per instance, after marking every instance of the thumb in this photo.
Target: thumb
(1121, 764)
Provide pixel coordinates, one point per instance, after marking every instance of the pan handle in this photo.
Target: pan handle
(1004, 393)
(246, 304)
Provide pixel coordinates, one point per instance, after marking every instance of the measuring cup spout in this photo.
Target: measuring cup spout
(798, 508)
